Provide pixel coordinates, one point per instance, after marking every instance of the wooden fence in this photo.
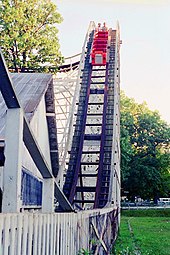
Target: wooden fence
(58, 233)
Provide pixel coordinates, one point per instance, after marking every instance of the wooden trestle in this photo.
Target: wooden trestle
(88, 179)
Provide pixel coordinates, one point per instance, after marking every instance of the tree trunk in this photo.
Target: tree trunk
(24, 62)
(14, 60)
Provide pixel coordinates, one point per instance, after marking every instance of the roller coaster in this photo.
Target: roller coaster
(92, 178)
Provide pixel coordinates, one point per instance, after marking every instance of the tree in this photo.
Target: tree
(145, 148)
(28, 35)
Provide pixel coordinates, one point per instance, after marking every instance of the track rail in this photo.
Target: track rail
(92, 179)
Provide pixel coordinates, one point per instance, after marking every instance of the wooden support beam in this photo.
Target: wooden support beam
(35, 151)
(99, 235)
(11, 202)
(6, 87)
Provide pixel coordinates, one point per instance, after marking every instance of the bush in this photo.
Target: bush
(147, 213)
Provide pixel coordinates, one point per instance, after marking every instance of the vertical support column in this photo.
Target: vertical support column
(48, 195)
(13, 161)
(114, 189)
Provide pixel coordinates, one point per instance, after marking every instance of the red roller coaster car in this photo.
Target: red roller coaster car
(99, 47)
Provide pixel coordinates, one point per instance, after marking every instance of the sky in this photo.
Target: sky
(145, 49)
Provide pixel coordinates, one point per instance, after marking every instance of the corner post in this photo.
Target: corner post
(48, 195)
(11, 202)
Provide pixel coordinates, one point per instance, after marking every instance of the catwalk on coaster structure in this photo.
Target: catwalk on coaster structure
(92, 179)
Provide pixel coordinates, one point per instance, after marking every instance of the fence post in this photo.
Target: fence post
(48, 195)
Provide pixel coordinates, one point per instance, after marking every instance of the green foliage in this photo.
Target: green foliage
(145, 151)
(28, 35)
(93, 243)
(146, 213)
(84, 252)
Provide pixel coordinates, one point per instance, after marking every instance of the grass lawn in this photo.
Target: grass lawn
(144, 232)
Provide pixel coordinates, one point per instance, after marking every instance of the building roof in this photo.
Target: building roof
(29, 88)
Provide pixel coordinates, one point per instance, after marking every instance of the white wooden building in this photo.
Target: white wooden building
(35, 92)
